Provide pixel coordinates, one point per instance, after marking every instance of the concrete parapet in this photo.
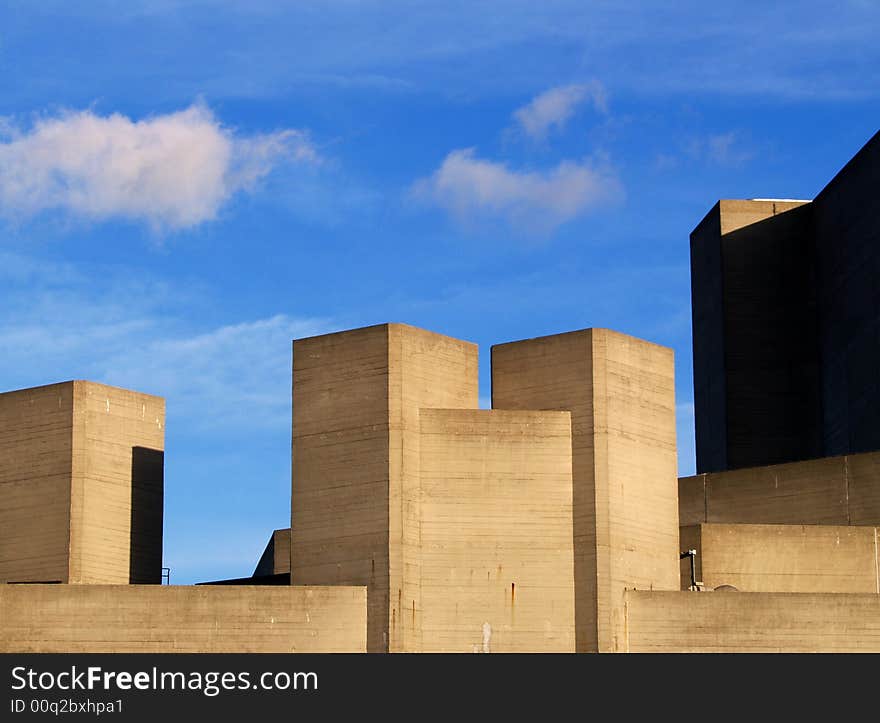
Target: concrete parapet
(181, 619)
(751, 622)
(783, 558)
(828, 491)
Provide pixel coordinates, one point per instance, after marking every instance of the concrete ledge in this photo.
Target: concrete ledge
(829, 491)
(783, 558)
(181, 619)
(716, 622)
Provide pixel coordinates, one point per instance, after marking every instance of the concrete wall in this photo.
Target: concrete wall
(181, 619)
(847, 228)
(36, 429)
(81, 480)
(117, 486)
(784, 558)
(756, 364)
(620, 392)
(356, 396)
(497, 560)
(830, 491)
(666, 622)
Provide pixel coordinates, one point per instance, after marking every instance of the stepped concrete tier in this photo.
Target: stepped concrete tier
(783, 558)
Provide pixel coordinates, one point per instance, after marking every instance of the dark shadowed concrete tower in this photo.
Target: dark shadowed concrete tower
(786, 324)
(847, 230)
(756, 371)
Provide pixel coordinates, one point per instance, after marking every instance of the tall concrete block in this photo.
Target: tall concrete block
(497, 559)
(620, 392)
(81, 485)
(354, 513)
(786, 320)
(847, 231)
(116, 505)
(756, 366)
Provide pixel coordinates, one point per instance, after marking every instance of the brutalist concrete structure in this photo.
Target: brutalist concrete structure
(786, 322)
(550, 523)
(553, 522)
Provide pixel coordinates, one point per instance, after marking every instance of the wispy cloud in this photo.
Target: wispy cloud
(471, 188)
(226, 387)
(552, 109)
(262, 48)
(57, 324)
(171, 171)
(244, 366)
(722, 149)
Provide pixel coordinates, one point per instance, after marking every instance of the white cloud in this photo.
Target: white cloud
(470, 187)
(551, 109)
(171, 171)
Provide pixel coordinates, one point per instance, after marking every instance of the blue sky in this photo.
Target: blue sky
(186, 187)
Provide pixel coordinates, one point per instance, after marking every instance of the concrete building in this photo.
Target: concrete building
(81, 504)
(553, 522)
(621, 395)
(423, 524)
(786, 324)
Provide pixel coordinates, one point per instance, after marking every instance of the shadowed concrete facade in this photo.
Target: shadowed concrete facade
(786, 324)
(81, 485)
(783, 558)
(621, 395)
(847, 230)
(181, 619)
(275, 559)
(756, 372)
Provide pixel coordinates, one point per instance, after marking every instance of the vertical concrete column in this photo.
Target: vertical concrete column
(355, 490)
(621, 395)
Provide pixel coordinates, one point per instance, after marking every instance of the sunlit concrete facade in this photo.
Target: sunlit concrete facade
(553, 522)
(81, 485)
